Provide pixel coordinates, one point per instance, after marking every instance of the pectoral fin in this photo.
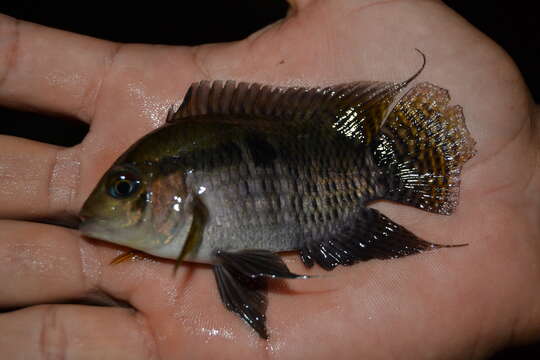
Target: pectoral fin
(242, 283)
(195, 235)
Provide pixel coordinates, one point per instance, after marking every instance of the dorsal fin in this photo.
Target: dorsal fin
(355, 109)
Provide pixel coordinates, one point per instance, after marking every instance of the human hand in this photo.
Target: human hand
(454, 303)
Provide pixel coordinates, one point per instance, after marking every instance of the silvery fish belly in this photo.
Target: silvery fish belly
(243, 171)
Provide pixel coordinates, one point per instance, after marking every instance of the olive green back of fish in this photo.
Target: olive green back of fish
(420, 144)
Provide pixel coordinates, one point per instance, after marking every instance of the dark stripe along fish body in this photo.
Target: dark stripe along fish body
(273, 169)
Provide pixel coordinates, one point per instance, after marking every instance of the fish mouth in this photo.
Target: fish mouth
(94, 228)
(103, 230)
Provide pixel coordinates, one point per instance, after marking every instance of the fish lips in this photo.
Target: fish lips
(132, 237)
(99, 228)
(93, 227)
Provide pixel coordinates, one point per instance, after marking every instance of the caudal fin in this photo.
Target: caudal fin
(422, 147)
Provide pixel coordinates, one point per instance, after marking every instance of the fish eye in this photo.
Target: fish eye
(123, 185)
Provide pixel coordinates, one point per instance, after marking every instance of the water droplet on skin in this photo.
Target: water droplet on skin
(213, 332)
(153, 107)
(274, 346)
(68, 81)
(91, 265)
(64, 179)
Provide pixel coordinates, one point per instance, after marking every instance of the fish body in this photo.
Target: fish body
(242, 172)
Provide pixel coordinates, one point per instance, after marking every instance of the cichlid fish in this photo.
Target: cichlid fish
(241, 172)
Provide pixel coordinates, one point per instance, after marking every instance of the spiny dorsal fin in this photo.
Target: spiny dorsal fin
(355, 109)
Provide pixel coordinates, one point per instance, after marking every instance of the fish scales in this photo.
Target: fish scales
(293, 191)
(243, 171)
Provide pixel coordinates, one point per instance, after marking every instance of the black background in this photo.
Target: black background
(512, 24)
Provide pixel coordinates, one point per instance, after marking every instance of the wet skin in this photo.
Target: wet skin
(454, 304)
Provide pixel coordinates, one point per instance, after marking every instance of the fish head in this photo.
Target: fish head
(137, 205)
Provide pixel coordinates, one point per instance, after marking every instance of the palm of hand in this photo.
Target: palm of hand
(457, 302)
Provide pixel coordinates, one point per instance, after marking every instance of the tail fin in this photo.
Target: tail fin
(422, 148)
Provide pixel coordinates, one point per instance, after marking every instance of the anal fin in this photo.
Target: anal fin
(368, 235)
(242, 280)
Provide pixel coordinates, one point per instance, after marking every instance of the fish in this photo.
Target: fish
(241, 172)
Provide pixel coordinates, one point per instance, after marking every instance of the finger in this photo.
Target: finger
(53, 70)
(36, 180)
(44, 263)
(75, 332)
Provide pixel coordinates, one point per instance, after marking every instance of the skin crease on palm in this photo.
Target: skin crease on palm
(456, 303)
